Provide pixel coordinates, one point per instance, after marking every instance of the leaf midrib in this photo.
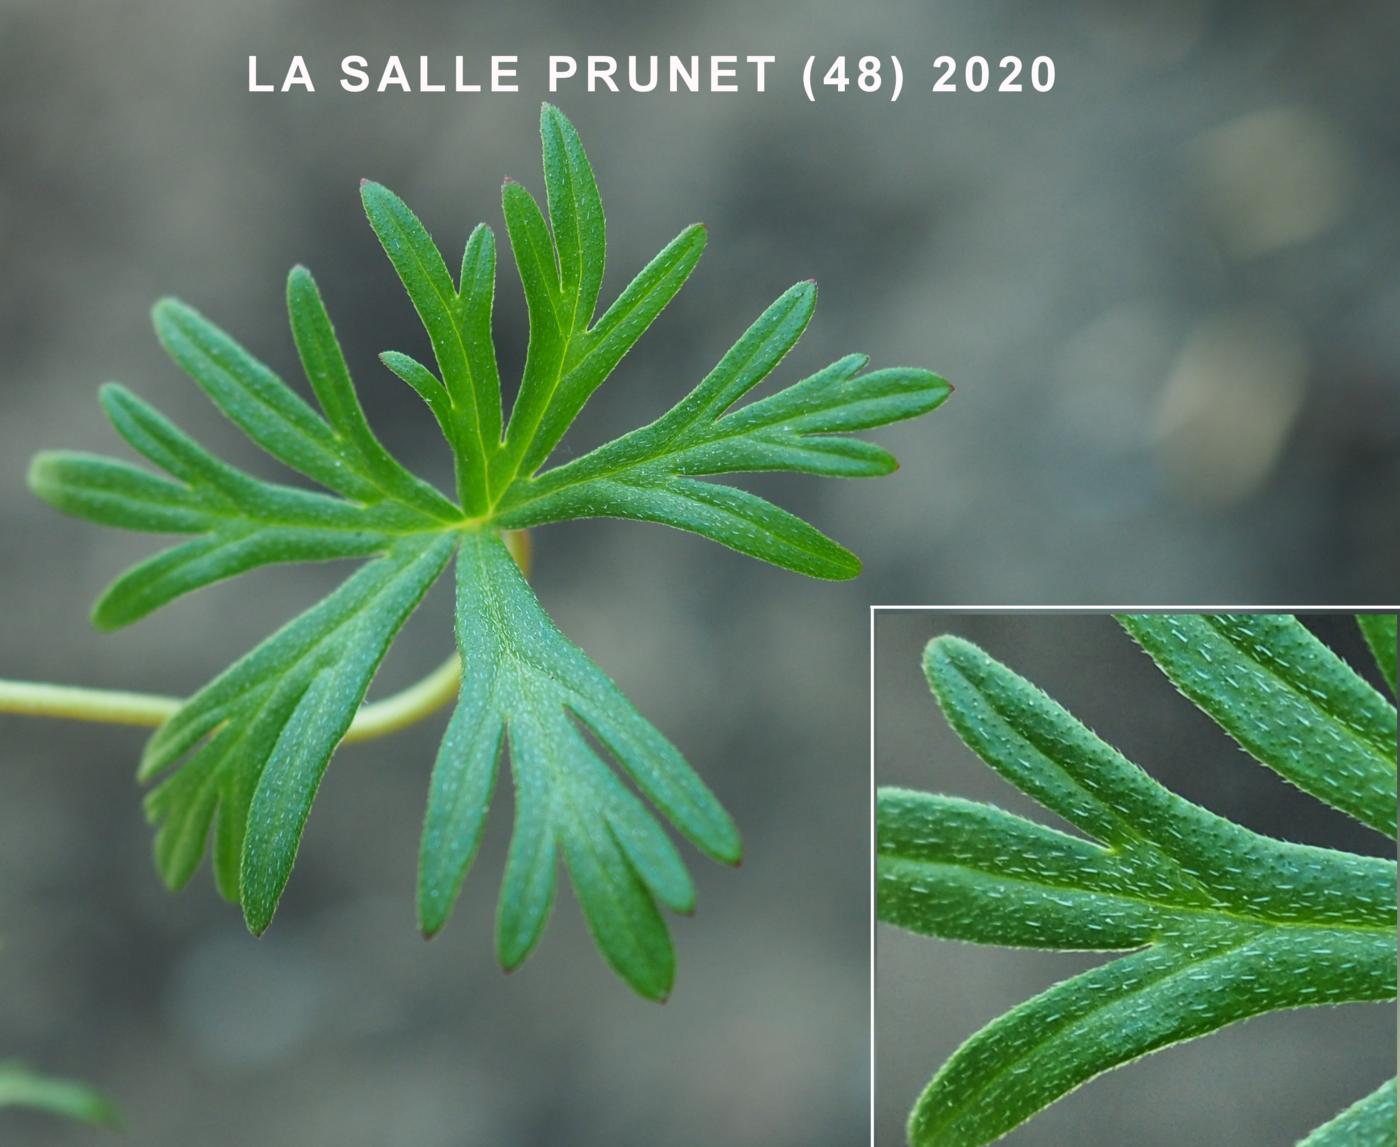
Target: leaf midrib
(231, 512)
(1257, 922)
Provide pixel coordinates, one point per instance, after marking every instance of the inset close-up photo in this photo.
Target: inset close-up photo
(1079, 862)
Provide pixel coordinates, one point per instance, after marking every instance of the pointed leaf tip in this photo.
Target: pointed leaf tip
(370, 189)
(549, 113)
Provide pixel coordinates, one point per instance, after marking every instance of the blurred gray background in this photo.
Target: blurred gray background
(1265, 1082)
(1166, 293)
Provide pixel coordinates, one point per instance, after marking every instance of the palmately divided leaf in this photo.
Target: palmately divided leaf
(1369, 1122)
(525, 684)
(1228, 923)
(22, 1087)
(1287, 699)
(244, 756)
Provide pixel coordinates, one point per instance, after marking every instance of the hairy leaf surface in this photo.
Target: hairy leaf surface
(1288, 700)
(651, 474)
(1369, 1122)
(526, 684)
(241, 761)
(261, 734)
(1379, 631)
(1222, 922)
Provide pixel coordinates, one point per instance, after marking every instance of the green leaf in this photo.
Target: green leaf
(526, 685)
(734, 518)
(1369, 1122)
(427, 385)
(262, 733)
(329, 375)
(241, 761)
(650, 474)
(580, 234)
(117, 494)
(591, 358)
(242, 522)
(1379, 631)
(256, 400)
(1227, 923)
(458, 322)
(1287, 699)
(568, 356)
(21, 1087)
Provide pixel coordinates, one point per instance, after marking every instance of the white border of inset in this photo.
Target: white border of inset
(1030, 609)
